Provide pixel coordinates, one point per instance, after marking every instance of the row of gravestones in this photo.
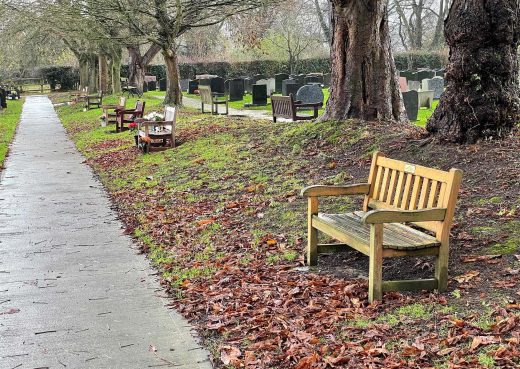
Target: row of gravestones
(420, 94)
(261, 87)
(421, 74)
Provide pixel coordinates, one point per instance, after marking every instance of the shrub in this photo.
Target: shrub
(66, 77)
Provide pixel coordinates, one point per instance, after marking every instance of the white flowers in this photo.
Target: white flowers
(154, 116)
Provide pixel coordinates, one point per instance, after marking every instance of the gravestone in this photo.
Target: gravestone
(411, 104)
(290, 86)
(403, 84)
(314, 78)
(162, 84)
(152, 86)
(440, 73)
(3, 99)
(248, 85)
(327, 79)
(279, 78)
(425, 99)
(414, 85)
(413, 77)
(300, 79)
(145, 87)
(425, 74)
(270, 83)
(185, 85)
(406, 74)
(258, 77)
(235, 88)
(436, 84)
(192, 86)
(310, 94)
(259, 94)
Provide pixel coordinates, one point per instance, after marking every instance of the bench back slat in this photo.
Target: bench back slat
(205, 94)
(396, 184)
(283, 106)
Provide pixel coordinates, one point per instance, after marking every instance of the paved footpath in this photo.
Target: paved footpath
(74, 293)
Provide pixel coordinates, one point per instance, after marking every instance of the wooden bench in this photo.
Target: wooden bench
(396, 193)
(212, 98)
(94, 100)
(157, 133)
(286, 107)
(129, 116)
(109, 111)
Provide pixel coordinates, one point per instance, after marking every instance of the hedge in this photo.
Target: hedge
(66, 77)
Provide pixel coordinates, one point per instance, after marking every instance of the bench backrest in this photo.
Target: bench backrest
(170, 114)
(283, 106)
(395, 184)
(139, 109)
(205, 94)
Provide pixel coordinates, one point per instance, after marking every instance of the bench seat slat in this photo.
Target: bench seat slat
(395, 236)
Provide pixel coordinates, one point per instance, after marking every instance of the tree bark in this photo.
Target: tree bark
(116, 74)
(138, 64)
(103, 73)
(83, 72)
(173, 89)
(482, 94)
(364, 78)
(92, 74)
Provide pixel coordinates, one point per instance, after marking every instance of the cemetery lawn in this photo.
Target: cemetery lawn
(222, 219)
(424, 114)
(9, 119)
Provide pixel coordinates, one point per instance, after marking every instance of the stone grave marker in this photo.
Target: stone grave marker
(279, 78)
(436, 84)
(248, 85)
(425, 99)
(403, 84)
(235, 89)
(411, 104)
(259, 93)
(414, 85)
(425, 74)
(270, 83)
(314, 78)
(440, 73)
(152, 86)
(162, 84)
(145, 86)
(310, 94)
(192, 86)
(290, 86)
(185, 85)
(327, 79)
(258, 77)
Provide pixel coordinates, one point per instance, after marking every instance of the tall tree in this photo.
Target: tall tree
(364, 77)
(482, 93)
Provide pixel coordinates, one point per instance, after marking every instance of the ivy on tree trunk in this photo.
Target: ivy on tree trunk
(482, 94)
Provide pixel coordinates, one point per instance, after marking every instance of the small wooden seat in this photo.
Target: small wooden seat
(109, 111)
(396, 193)
(128, 116)
(157, 133)
(212, 98)
(94, 100)
(286, 107)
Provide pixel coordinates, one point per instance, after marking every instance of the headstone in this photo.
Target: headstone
(425, 74)
(192, 86)
(327, 79)
(152, 86)
(235, 89)
(411, 104)
(279, 78)
(414, 85)
(314, 78)
(440, 73)
(286, 83)
(216, 83)
(406, 74)
(150, 79)
(310, 94)
(3, 99)
(258, 77)
(162, 84)
(425, 99)
(145, 87)
(300, 78)
(259, 93)
(413, 77)
(270, 83)
(436, 84)
(403, 84)
(248, 85)
(185, 84)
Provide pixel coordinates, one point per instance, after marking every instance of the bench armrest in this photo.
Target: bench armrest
(354, 189)
(401, 216)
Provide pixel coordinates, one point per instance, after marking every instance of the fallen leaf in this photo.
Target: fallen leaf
(271, 242)
(10, 311)
(463, 278)
(230, 355)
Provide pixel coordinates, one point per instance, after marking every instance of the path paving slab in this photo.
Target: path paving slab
(74, 293)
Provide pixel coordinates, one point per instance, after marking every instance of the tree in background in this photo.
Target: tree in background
(364, 77)
(482, 94)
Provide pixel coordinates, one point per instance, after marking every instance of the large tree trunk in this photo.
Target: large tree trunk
(138, 64)
(173, 89)
(83, 72)
(116, 73)
(482, 93)
(364, 78)
(103, 73)
(92, 74)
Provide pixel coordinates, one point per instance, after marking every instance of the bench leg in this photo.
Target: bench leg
(375, 273)
(312, 242)
(441, 266)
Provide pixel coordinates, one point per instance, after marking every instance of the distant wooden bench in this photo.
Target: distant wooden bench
(212, 98)
(109, 111)
(396, 193)
(94, 100)
(129, 116)
(286, 107)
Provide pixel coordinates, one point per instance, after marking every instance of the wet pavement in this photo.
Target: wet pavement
(74, 293)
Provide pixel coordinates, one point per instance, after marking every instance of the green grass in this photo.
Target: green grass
(424, 114)
(9, 119)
